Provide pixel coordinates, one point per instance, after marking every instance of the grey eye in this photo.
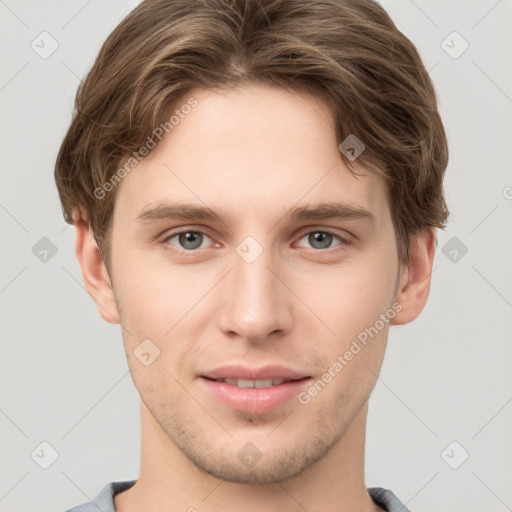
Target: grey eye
(321, 239)
(187, 240)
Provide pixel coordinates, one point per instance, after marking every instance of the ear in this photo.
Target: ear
(414, 281)
(94, 273)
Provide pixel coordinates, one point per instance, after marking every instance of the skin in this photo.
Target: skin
(252, 154)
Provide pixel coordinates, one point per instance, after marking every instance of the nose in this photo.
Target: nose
(256, 304)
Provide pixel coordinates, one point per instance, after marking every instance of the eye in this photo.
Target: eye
(323, 239)
(188, 240)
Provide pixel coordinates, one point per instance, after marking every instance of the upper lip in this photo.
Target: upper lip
(262, 373)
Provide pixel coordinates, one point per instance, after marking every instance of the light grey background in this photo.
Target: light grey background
(446, 376)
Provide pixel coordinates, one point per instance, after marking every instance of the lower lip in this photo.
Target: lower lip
(254, 400)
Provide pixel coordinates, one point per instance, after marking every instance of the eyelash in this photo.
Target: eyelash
(342, 246)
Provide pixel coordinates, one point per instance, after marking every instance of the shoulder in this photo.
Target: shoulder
(104, 501)
(386, 499)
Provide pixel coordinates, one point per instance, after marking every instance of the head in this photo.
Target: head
(239, 116)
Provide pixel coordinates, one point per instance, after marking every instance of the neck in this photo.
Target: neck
(169, 482)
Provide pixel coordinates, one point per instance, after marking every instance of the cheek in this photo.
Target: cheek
(350, 297)
(162, 305)
(154, 296)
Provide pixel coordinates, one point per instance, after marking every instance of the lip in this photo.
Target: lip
(253, 400)
(243, 372)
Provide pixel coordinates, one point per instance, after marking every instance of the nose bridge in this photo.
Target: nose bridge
(254, 305)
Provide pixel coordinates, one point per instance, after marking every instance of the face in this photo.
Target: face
(266, 286)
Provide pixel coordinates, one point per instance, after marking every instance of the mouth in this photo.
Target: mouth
(254, 391)
(260, 383)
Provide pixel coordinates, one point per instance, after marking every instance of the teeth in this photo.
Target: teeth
(247, 383)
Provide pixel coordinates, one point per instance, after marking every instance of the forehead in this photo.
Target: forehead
(252, 150)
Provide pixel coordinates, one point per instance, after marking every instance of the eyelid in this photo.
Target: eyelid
(345, 236)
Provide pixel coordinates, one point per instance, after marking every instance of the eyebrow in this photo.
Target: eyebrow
(192, 212)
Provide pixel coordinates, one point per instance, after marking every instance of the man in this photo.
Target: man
(255, 187)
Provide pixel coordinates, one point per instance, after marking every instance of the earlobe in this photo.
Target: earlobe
(414, 283)
(95, 276)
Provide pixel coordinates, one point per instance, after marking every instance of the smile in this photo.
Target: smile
(248, 383)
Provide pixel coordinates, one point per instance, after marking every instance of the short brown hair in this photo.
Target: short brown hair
(348, 52)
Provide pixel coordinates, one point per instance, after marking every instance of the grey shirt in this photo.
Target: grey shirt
(104, 501)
